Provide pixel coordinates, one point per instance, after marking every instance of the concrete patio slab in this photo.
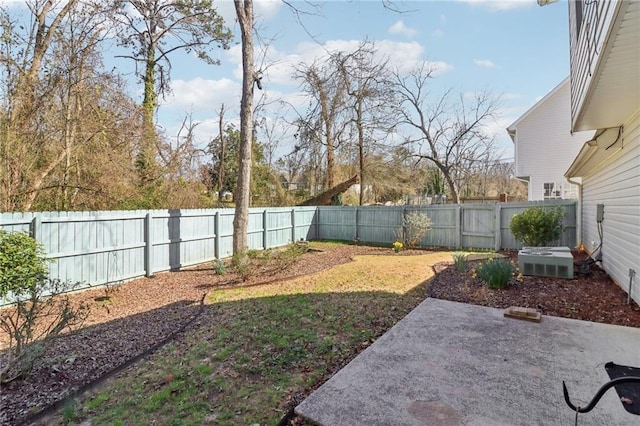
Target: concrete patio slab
(449, 363)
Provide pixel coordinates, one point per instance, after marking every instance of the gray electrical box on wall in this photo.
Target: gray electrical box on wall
(599, 212)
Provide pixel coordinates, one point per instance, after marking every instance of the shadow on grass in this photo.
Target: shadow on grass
(239, 362)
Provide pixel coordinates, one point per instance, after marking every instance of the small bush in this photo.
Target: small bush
(290, 255)
(40, 310)
(496, 272)
(415, 225)
(460, 261)
(218, 266)
(242, 265)
(397, 246)
(537, 226)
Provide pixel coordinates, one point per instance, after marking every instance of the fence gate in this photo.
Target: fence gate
(479, 227)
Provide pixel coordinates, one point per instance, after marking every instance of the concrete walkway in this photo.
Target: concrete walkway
(449, 363)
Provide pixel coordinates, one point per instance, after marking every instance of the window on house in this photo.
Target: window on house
(552, 191)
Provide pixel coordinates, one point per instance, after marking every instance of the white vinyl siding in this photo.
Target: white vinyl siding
(586, 47)
(616, 184)
(544, 146)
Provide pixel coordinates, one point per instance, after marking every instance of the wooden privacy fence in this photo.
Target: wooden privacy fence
(94, 248)
(455, 226)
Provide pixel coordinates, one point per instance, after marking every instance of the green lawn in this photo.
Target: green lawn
(255, 348)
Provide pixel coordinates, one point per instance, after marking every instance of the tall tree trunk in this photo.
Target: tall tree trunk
(244, 12)
(221, 160)
(146, 162)
(455, 196)
(360, 149)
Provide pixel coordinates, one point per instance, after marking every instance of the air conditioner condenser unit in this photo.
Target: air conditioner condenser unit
(554, 262)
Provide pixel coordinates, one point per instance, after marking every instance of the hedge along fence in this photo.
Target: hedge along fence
(95, 248)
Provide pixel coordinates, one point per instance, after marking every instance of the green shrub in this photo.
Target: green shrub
(496, 272)
(22, 263)
(460, 261)
(40, 310)
(537, 226)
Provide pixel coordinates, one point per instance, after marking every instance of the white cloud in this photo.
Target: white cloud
(501, 4)
(267, 9)
(438, 33)
(202, 94)
(400, 28)
(484, 63)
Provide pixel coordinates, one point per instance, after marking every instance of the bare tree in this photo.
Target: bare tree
(449, 131)
(323, 81)
(370, 100)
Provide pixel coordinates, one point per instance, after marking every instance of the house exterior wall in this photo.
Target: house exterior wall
(588, 25)
(545, 147)
(616, 184)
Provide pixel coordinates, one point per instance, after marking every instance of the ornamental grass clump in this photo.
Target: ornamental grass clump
(460, 260)
(496, 272)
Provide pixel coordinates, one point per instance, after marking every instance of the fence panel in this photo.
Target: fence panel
(337, 223)
(445, 223)
(379, 225)
(304, 223)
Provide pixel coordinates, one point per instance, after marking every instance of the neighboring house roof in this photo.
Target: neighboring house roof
(512, 128)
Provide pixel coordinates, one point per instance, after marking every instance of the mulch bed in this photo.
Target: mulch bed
(591, 297)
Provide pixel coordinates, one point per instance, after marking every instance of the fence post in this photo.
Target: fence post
(458, 210)
(216, 232)
(498, 227)
(404, 224)
(317, 217)
(293, 225)
(264, 229)
(148, 249)
(36, 227)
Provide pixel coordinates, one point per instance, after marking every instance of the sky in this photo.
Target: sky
(515, 49)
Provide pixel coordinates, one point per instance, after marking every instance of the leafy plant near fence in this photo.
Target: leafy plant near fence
(39, 311)
(538, 225)
(415, 226)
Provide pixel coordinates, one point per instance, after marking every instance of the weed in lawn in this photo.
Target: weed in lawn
(69, 412)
